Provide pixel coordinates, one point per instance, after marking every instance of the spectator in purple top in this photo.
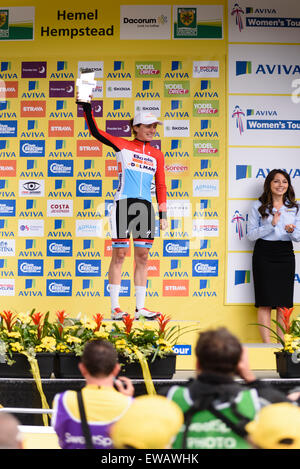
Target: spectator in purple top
(105, 399)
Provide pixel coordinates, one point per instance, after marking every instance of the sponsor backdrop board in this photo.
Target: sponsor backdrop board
(262, 21)
(226, 123)
(263, 125)
(58, 183)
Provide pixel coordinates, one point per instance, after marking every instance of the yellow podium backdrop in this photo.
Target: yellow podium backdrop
(205, 70)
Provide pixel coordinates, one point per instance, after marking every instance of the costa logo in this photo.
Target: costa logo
(33, 108)
(89, 148)
(9, 89)
(8, 168)
(60, 208)
(176, 288)
(64, 128)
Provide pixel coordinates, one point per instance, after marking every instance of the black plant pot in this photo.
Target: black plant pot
(286, 365)
(161, 368)
(21, 367)
(66, 366)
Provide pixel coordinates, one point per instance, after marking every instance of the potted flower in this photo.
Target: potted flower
(71, 336)
(152, 340)
(288, 358)
(140, 344)
(24, 336)
(134, 342)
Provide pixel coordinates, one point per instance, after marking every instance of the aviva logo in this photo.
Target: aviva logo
(243, 67)
(243, 171)
(176, 184)
(241, 277)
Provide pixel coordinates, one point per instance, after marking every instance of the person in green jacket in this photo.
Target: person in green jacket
(216, 406)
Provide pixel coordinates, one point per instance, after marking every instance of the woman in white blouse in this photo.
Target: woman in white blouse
(274, 222)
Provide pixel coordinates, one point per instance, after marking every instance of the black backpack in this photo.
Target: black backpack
(205, 402)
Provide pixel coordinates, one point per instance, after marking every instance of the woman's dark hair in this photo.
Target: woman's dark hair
(266, 198)
(218, 351)
(99, 357)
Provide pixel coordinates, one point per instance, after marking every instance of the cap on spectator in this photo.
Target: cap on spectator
(277, 426)
(145, 118)
(151, 422)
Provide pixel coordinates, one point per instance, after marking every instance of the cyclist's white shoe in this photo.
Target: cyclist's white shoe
(146, 313)
(117, 314)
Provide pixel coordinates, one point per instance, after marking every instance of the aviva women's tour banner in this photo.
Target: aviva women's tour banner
(57, 182)
(263, 126)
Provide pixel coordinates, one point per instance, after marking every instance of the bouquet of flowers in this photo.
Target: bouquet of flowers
(34, 333)
(290, 329)
(30, 333)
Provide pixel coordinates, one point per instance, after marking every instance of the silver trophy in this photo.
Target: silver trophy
(85, 86)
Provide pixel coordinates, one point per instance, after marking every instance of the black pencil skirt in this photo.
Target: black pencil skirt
(273, 265)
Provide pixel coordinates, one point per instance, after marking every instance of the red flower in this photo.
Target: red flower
(128, 321)
(98, 318)
(163, 320)
(61, 316)
(9, 319)
(37, 318)
(285, 315)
